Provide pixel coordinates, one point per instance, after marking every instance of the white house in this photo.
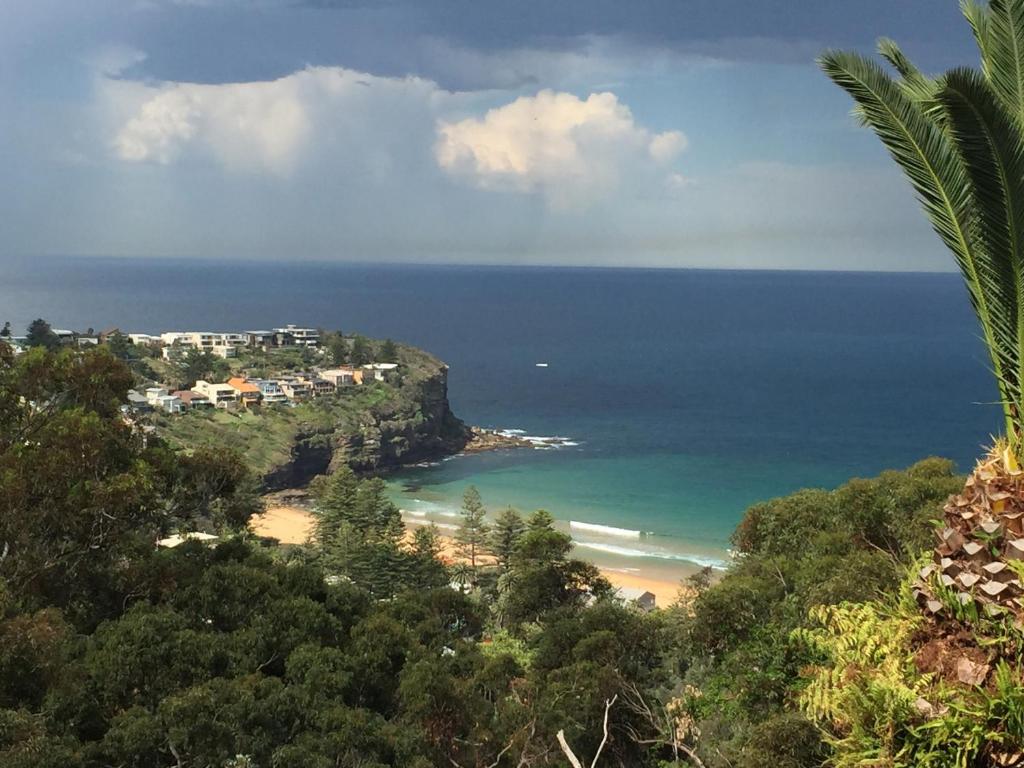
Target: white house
(340, 377)
(170, 404)
(378, 371)
(271, 391)
(221, 395)
(153, 394)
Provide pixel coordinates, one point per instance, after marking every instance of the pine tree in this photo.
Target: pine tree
(40, 334)
(472, 534)
(5, 332)
(388, 352)
(361, 352)
(508, 530)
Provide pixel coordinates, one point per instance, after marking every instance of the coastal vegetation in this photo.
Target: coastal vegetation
(365, 647)
(931, 674)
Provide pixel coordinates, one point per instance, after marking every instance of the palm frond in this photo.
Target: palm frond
(990, 146)
(977, 16)
(914, 83)
(938, 175)
(1002, 57)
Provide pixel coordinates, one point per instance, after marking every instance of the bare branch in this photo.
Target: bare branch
(567, 750)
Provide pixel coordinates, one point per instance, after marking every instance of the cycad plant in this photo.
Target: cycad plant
(959, 138)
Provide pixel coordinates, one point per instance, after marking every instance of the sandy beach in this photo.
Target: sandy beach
(294, 525)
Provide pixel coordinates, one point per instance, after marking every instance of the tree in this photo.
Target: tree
(199, 364)
(958, 139)
(337, 346)
(39, 334)
(120, 346)
(361, 352)
(508, 530)
(473, 529)
(388, 352)
(5, 332)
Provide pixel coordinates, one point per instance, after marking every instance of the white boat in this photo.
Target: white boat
(542, 365)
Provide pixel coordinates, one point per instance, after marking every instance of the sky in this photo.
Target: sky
(672, 133)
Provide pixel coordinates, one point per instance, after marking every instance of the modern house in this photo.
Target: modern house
(378, 371)
(341, 377)
(270, 391)
(221, 395)
(153, 394)
(248, 393)
(319, 386)
(170, 404)
(262, 339)
(192, 400)
(302, 337)
(144, 338)
(297, 390)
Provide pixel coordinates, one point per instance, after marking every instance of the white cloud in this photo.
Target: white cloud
(269, 126)
(571, 150)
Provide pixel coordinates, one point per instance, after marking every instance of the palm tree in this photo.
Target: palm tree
(959, 138)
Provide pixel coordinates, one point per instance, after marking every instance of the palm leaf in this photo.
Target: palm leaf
(1003, 53)
(988, 141)
(977, 16)
(926, 155)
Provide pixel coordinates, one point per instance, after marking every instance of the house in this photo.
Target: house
(641, 598)
(261, 339)
(192, 400)
(104, 335)
(64, 336)
(224, 350)
(301, 337)
(170, 404)
(144, 339)
(248, 393)
(319, 386)
(341, 377)
(155, 393)
(181, 538)
(378, 371)
(205, 340)
(221, 395)
(297, 389)
(137, 402)
(270, 391)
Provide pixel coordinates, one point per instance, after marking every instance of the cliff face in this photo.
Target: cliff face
(414, 424)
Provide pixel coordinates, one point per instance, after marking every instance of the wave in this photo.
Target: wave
(607, 530)
(543, 442)
(612, 549)
(422, 521)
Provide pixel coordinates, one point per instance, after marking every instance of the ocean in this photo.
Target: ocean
(681, 396)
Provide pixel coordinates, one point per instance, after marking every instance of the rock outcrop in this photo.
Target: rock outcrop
(413, 425)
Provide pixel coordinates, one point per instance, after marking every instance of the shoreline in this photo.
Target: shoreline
(290, 523)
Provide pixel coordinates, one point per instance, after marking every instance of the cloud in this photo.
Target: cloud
(569, 149)
(245, 125)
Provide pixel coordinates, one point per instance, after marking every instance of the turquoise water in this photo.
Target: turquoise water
(689, 394)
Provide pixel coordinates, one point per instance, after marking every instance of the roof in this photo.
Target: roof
(635, 593)
(242, 385)
(181, 538)
(188, 395)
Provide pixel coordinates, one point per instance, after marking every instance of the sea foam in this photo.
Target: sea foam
(606, 530)
(613, 549)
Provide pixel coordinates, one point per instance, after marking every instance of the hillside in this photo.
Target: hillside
(372, 427)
